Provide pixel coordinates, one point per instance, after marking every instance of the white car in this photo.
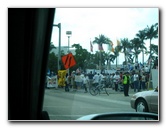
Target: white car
(146, 101)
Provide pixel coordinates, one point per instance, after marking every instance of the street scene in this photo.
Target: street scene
(72, 105)
(94, 68)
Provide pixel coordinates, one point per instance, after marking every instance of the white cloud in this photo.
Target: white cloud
(88, 23)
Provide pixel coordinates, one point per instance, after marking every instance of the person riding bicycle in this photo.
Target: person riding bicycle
(96, 79)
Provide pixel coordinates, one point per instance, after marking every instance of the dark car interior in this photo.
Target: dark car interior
(29, 34)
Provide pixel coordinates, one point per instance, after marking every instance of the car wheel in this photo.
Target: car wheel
(141, 106)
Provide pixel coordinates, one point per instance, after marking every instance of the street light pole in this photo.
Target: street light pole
(68, 33)
(59, 49)
(68, 43)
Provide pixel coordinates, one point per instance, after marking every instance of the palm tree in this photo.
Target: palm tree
(151, 33)
(125, 45)
(154, 49)
(136, 46)
(116, 54)
(100, 41)
(141, 35)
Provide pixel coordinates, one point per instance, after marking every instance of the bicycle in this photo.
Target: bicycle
(97, 89)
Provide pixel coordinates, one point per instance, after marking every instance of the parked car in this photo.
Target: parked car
(146, 101)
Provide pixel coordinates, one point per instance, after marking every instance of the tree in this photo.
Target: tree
(90, 61)
(81, 57)
(151, 33)
(154, 49)
(52, 59)
(125, 44)
(100, 41)
(116, 54)
(141, 35)
(112, 58)
(52, 62)
(136, 44)
(52, 46)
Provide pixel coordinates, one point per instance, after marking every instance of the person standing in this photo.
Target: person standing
(136, 82)
(67, 83)
(73, 86)
(85, 82)
(126, 83)
(143, 81)
(78, 80)
(96, 79)
(90, 76)
(116, 80)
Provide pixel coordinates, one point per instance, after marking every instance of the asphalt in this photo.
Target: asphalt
(119, 95)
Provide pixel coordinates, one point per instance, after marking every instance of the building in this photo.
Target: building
(64, 49)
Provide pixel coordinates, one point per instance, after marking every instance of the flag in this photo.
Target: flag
(91, 47)
(100, 47)
(113, 50)
(118, 42)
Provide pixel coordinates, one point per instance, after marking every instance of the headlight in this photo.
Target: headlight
(134, 96)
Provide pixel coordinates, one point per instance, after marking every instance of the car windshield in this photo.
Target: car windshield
(98, 59)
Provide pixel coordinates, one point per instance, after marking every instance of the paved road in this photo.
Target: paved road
(71, 105)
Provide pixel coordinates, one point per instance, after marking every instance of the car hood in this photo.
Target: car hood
(144, 93)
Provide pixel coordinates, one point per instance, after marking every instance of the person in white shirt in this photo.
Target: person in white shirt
(146, 69)
(78, 80)
(85, 82)
(116, 79)
(96, 79)
(136, 82)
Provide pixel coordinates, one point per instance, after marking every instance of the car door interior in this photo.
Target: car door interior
(29, 35)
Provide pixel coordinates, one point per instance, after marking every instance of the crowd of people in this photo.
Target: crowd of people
(122, 80)
(134, 77)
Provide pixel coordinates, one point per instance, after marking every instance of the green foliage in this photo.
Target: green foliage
(130, 48)
(52, 46)
(81, 56)
(52, 62)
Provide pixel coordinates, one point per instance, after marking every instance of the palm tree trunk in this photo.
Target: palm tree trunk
(150, 84)
(100, 61)
(142, 56)
(116, 61)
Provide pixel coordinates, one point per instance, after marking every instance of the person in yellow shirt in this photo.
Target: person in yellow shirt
(126, 83)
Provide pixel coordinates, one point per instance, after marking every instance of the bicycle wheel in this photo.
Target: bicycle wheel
(106, 91)
(93, 90)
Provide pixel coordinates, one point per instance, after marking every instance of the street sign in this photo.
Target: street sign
(68, 60)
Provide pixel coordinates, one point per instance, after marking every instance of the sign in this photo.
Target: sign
(61, 77)
(68, 60)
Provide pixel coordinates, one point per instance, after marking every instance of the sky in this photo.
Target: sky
(115, 23)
